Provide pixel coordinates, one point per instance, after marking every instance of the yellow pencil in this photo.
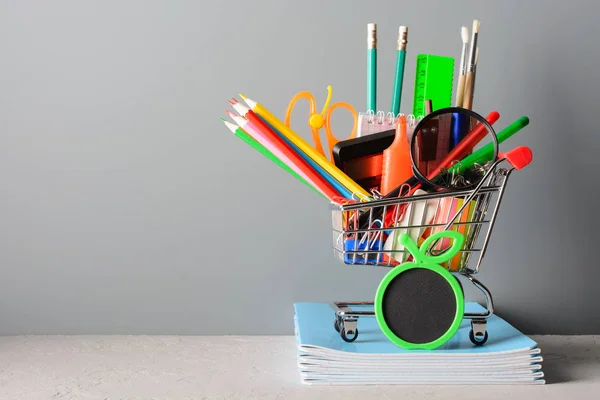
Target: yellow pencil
(310, 151)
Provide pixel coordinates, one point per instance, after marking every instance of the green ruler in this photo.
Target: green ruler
(433, 81)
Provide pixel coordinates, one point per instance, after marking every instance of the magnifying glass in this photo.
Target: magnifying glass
(439, 142)
(442, 140)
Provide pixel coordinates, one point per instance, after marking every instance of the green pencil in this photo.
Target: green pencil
(486, 153)
(397, 93)
(239, 132)
(372, 67)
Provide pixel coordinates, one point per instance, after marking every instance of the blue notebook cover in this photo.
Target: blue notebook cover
(314, 329)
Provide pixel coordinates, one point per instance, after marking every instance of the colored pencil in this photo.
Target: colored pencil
(340, 176)
(332, 181)
(244, 136)
(262, 133)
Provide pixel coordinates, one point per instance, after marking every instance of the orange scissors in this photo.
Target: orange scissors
(317, 121)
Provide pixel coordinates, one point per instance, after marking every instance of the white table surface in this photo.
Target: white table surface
(243, 367)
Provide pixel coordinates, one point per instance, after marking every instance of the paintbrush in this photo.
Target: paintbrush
(468, 98)
(460, 89)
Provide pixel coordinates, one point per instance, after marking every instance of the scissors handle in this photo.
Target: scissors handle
(313, 110)
(316, 121)
(331, 139)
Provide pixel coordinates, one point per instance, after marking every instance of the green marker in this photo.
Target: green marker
(372, 67)
(400, 60)
(486, 153)
(239, 132)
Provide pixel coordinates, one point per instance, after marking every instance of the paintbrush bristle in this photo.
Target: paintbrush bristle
(464, 33)
(475, 26)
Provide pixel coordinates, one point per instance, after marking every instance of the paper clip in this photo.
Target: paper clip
(400, 209)
(359, 197)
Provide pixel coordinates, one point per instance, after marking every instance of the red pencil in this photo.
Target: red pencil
(258, 124)
(461, 150)
(457, 153)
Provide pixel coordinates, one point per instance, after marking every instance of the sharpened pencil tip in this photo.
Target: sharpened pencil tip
(230, 126)
(241, 121)
(240, 108)
(251, 103)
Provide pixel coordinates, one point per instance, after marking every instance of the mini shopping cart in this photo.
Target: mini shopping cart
(421, 305)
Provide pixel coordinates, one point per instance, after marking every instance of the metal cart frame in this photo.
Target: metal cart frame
(355, 246)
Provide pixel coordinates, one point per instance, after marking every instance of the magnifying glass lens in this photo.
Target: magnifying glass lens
(442, 140)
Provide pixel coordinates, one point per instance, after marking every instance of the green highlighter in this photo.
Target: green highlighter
(486, 153)
(433, 81)
(239, 132)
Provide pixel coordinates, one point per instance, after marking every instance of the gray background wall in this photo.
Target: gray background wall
(127, 207)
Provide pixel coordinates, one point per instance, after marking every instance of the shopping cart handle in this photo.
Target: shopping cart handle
(519, 157)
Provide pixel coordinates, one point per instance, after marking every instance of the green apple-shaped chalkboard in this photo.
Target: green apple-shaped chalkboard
(419, 304)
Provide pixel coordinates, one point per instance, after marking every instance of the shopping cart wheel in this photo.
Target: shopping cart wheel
(477, 341)
(349, 336)
(336, 324)
(419, 306)
(478, 333)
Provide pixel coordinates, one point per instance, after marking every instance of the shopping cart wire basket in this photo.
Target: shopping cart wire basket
(420, 302)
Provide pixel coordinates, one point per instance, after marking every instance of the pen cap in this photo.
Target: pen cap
(486, 154)
(519, 157)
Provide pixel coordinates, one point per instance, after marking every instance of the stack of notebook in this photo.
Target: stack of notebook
(508, 357)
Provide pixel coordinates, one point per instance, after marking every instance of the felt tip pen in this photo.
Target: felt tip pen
(486, 153)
